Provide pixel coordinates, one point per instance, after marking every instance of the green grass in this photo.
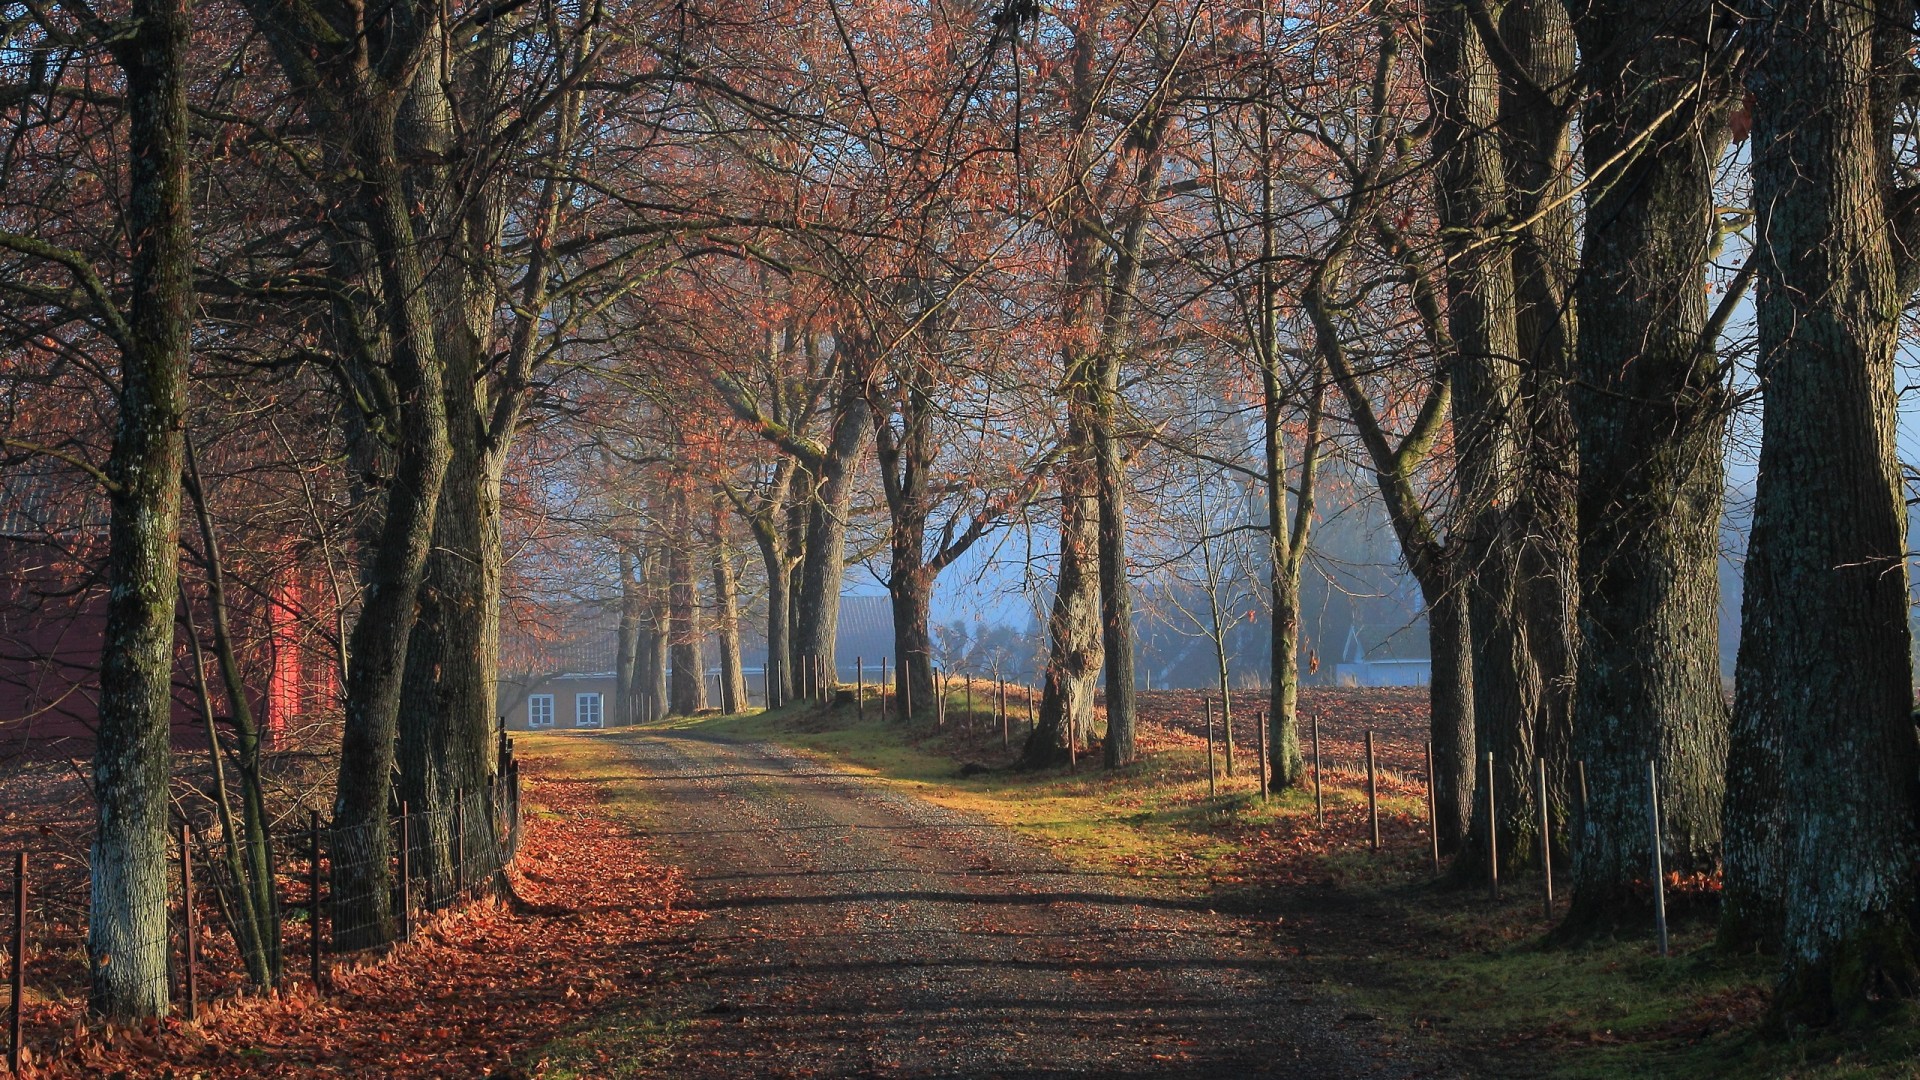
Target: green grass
(1432, 963)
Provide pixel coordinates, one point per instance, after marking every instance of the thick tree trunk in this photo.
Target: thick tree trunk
(446, 751)
(1116, 590)
(824, 564)
(1073, 633)
(659, 643)
(626, 648)
(779, 668)
(1534, 129)
(1824, 681)
(362, 874)
(726, 599)
(452, 668)
(1480, 318)
(911, 597)
(1651, 412)
(1450, 711)
(127, 938)
(689, 689)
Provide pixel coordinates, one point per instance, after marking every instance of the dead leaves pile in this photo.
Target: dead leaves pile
(473, 991)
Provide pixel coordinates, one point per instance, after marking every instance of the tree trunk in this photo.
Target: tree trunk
(1824, 675)
(127, 939)
(911, 596)
(1450, 711)
(824, 564)
(1651, 413)
(726, 598)
(1116, 591)
(363, 846)
(626, 649)
(1073, 632)
(659, 642)
(1534, 127)
(1480, 319)
(689, 689)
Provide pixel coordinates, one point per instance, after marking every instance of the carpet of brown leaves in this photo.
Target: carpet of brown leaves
(590, 918)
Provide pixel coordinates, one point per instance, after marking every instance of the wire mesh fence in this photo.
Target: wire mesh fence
(212, 928)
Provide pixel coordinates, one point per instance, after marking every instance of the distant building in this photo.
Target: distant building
(1395, 658)
(569, 682)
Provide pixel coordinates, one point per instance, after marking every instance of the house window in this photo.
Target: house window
(540, 710)
(586, 710)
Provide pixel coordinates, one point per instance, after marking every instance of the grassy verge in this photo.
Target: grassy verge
(1427, 962)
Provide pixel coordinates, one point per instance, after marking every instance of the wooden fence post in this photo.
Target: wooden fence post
(1006, 726)
(16, 1023)
(191, 924)
(860, 684)
(1373, 796)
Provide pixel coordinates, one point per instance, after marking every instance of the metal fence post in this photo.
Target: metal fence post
(860, 683)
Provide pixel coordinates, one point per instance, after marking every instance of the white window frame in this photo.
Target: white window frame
(539, 706)
(580, 710)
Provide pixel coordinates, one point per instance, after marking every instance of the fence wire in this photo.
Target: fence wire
(332, 891)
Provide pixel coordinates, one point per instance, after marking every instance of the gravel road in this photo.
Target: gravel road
(856, 931)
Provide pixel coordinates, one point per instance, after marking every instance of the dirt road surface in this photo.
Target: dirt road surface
(856, 931)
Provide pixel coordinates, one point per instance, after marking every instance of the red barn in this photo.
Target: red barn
(53, 618)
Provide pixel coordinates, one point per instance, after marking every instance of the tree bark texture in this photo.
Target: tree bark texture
(823, 565)
(1535, 136)
(1073, 630)
(689, 689)
(1464, 90)
(1824, 675)
(127, 938)
(1651, 411)
(726, 599)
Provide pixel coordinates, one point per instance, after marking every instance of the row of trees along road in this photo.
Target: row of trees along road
(633, 291)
